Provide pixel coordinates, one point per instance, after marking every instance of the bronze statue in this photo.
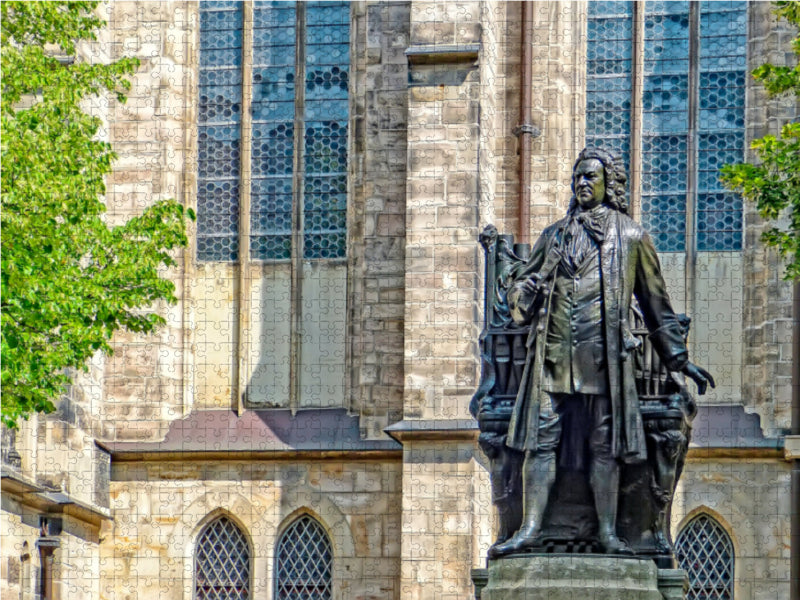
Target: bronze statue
(577, 407)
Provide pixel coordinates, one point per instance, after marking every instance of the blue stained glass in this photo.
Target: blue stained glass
(271, 222)
(328, 184)
(327, 54)
(325, 245)
(610, 29)
(334, 109)
(664, 203)
(282, 38)
(716, 50)
(611, 50)
(326, 82)
(667, 7)
(610, 84)
(211, 20)
(217, 248)
(226, 38)
(328, 13)
(220, 77)
(220, 4)
(336, 33)
(274, 56)
(603, 8)
(220, 223)
(273, 111)
(219, 111)
(219, 196)
(674, 27)
(722, 5)
(271, 247)
(665, 110)
(221, 58)
(722, 118)
(326, 112)
(723, 23)
(282, 78)
(265, 16)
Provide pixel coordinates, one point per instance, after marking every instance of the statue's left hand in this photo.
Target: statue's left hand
(699, 375)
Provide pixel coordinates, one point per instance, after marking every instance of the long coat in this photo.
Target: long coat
(628, 266)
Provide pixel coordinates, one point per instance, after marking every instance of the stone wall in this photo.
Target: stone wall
(160, 509)
(767, 302)
(378, 206)
(750, 498)
(143, 382)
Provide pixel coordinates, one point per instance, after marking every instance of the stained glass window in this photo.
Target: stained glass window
(704, 550)
(219, 135)
(300, 78)
(222, 563)
(665, 127)
(304, 562)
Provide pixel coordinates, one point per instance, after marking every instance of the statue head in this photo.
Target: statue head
(611, 184)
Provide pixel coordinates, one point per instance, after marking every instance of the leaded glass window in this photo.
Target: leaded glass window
(664, 158)
(304, 562)
(704, 550)
(297, 178)
(222, 563)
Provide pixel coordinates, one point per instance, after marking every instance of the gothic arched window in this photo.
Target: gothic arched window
(304, 562)
(705, 551)
(222, 563)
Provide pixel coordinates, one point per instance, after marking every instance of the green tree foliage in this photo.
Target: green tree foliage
(773, 182)
(69, 281)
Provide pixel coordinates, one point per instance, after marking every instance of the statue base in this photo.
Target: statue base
(577, 577)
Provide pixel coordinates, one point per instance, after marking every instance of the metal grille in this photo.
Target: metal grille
(222, 563)
(705, 551)
(305, 561)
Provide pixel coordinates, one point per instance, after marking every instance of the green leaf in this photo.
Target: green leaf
(69, 282)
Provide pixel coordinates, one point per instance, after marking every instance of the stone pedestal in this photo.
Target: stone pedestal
(571, 577)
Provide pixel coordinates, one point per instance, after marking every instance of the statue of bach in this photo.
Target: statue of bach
(577, 406)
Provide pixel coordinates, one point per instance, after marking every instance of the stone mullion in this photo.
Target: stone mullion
(298, 168)
(245, 173)
(637, 111)
(691, 161)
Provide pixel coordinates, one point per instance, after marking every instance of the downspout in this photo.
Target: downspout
(525, 131)
(794, 543)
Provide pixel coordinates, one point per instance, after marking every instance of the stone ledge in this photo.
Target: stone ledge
(51, 502)
(791, 447)
(434, 430)
(442, 53)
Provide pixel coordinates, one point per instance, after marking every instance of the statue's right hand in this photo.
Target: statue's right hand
(530, 286)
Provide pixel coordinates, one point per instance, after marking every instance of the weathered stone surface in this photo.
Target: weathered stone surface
(571, 577)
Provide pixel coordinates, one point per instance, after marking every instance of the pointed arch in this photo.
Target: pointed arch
(222, 561)
(705, 551)
(304, 561)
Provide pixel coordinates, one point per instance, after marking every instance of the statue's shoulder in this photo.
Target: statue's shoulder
(630, 228)
(550, 230)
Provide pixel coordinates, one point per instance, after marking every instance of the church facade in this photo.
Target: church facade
(300, 427)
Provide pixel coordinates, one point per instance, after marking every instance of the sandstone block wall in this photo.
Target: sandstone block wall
(767, 302)
(161, 508)
(378, 209)
(750, 498)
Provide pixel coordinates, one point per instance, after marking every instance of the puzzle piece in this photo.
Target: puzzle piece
(300, 426)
